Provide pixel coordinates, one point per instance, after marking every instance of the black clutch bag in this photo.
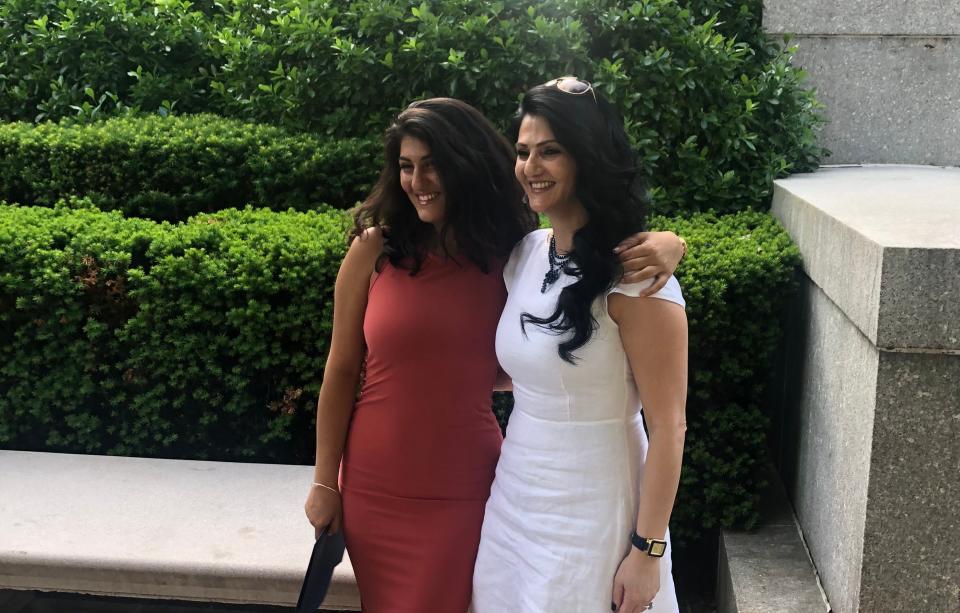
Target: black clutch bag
(327, 553)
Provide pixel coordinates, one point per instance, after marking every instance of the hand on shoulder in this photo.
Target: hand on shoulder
(370, 238)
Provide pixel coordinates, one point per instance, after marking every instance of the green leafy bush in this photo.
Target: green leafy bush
(707, 119)
(740, 19)
(91, 58)
(737, 279)
(174, 167)
(714, 108)
(124, 336)
(207, 339)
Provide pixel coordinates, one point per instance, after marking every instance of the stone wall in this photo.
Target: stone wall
(887, 71)
(870, 430)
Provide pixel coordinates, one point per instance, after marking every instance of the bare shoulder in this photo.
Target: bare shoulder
(368, 244)
(362, 256)
(371, 239)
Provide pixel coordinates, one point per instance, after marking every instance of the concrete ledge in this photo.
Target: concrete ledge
(768, 569)
(149, 528)
(883, 242)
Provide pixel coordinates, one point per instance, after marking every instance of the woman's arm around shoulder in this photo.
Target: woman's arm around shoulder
(341, 376)
(650, 255)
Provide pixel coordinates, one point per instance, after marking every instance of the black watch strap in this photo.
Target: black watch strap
(655, 548)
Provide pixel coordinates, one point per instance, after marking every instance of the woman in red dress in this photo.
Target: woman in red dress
(406, 468)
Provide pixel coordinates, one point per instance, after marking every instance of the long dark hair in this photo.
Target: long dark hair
(608, 186)
(484, 207)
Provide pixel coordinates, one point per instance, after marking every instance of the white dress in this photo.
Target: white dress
(564, 500)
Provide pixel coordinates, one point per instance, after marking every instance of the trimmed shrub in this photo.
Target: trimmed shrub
(174, 167)
(205, 339)
(208, 339)
(714, 109)
(737, 279)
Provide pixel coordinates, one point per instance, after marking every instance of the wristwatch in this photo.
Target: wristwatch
(655, 548)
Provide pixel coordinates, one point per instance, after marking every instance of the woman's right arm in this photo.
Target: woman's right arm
(341, 376)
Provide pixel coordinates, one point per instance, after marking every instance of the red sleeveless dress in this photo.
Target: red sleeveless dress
(423, 443)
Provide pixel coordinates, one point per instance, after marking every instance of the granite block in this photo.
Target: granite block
(889, 100)
(870, 418)
(830, 422)
(920, 298)
(911, 558)
(824, 239)
(915, 17)
(883, 243)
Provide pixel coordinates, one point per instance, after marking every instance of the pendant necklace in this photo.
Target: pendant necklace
(556, 262)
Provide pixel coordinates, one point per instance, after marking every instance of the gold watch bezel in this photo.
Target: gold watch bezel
(656, 548)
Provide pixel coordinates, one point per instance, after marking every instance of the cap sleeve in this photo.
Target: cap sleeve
(519, 254)
(670, 292)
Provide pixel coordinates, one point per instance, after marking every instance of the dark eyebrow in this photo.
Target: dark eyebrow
(406, 159)
(540, 144)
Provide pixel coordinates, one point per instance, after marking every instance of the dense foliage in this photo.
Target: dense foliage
(714, 108)
(737, 280)
(174, 167)
(207, 339)
(140, 314)
(124, 336)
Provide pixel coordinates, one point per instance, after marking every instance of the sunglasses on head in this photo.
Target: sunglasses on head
(572, 85)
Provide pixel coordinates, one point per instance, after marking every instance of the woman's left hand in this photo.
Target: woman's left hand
(650, 255)
(636, 583)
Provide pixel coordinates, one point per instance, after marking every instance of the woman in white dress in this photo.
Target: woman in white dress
(578, 512)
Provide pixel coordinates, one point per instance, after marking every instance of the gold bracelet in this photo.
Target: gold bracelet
(327, 487)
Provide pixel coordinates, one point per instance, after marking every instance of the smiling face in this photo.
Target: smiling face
(547, 172)
(420, 181)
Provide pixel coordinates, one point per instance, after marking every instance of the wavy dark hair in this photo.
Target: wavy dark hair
(608, 185)
(484, 204)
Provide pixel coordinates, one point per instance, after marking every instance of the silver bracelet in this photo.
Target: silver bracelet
(327, 487)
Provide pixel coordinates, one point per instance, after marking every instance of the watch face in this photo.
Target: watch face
(658, 548)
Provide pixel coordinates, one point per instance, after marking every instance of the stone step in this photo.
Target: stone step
(768, 569)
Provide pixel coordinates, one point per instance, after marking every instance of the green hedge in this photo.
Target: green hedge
(207, 339)
(737, 280)
(124, 336)
(713, 107)
(174, 167)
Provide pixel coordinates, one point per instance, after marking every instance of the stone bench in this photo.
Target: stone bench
(768, 569)
(167, 529)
